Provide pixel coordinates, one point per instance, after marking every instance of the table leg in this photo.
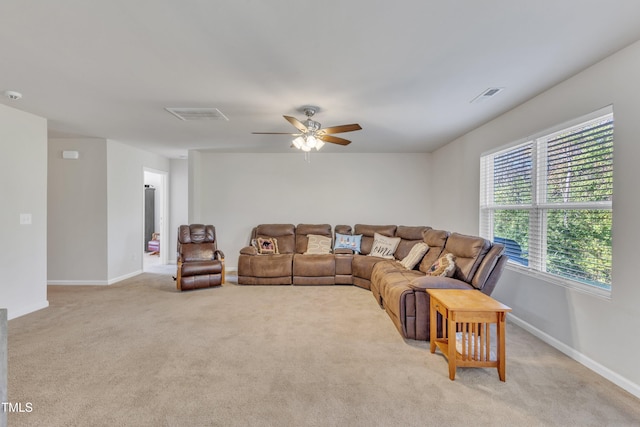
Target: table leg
(433, 317)
(501, 347)
(451, 344)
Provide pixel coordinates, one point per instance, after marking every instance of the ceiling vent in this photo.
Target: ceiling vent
(193, 114)
(489, 93)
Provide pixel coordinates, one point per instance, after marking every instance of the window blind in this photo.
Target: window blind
(549, 200)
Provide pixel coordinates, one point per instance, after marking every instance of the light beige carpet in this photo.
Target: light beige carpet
(138, 353)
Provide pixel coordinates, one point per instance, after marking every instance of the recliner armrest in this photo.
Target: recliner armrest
(248, 250)
(421, 284)
(218, 254)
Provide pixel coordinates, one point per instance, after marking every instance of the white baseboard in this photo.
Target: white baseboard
(76, 282)
(599, 369)
(93, 282)
(124, 277)
(21, 311)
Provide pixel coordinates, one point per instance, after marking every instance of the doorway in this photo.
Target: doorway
(154, 221)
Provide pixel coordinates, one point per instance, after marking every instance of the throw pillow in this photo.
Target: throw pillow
(415, 255)
(383, 246)
(318, 245)
(346, 241)
(445, 266)
(267, 245)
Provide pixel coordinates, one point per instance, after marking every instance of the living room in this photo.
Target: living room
(87, 215)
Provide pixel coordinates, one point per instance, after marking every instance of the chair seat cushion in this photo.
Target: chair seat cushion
(197, 268)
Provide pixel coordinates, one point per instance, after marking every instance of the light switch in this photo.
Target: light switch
(25, 219)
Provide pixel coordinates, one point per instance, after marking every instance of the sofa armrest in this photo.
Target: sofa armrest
(248, 250)
(421, 284)
(218, 254)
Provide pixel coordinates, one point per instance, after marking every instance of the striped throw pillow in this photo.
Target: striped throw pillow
(415, 255)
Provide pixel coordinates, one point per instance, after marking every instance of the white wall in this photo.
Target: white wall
(125, 195)
(236, 192)
(598, 332)
(77, 212)
(23, 190)
(178, 211)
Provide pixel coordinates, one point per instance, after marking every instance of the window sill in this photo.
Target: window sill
(566, 283)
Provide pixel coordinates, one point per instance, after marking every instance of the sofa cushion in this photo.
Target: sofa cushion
(487, 266)
(469, 252)
(436, 239)
(410, 235)
(368, 231)
(362, 266)
(383, 246)
(303, 231)
(318, 245)
(344, 241)
(415, 255)
(285, 233)
(305, 265)
(267, 246)
(445, 266)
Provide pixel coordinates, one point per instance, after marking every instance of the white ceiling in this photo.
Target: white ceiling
(405, 70)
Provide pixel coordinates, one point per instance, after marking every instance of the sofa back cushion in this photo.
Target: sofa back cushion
(368, 231)
(487, 266)
(196, 233)
(303, 231)
(436, 240)
(409, 237)
(285, 233)
(469, 252)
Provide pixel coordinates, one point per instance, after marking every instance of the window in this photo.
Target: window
(548, 200)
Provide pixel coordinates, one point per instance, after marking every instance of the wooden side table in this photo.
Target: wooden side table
(465, 337)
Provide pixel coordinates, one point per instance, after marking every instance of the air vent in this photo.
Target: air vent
(489, 93)
(191, 114)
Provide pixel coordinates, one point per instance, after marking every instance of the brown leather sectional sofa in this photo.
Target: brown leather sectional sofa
(401, 292)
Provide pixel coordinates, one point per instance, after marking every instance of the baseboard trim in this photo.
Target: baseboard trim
(124, 277)
(77, 282)
(14, 313)
(596, 367)
(93, 282)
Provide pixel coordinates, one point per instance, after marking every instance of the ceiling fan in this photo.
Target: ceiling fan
(311, 134)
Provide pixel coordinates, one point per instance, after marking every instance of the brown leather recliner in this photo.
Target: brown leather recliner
(200, 262)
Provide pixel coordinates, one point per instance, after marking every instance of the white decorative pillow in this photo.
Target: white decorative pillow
(318, 245)
(415, 255)
(383, 246)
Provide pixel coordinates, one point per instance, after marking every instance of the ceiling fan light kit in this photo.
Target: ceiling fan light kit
(311, 134)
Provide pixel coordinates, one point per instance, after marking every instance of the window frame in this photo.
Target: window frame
(538, 208)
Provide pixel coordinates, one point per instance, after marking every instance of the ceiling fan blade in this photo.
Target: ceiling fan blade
(296, 123)
(340, 129)
(334, 139)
